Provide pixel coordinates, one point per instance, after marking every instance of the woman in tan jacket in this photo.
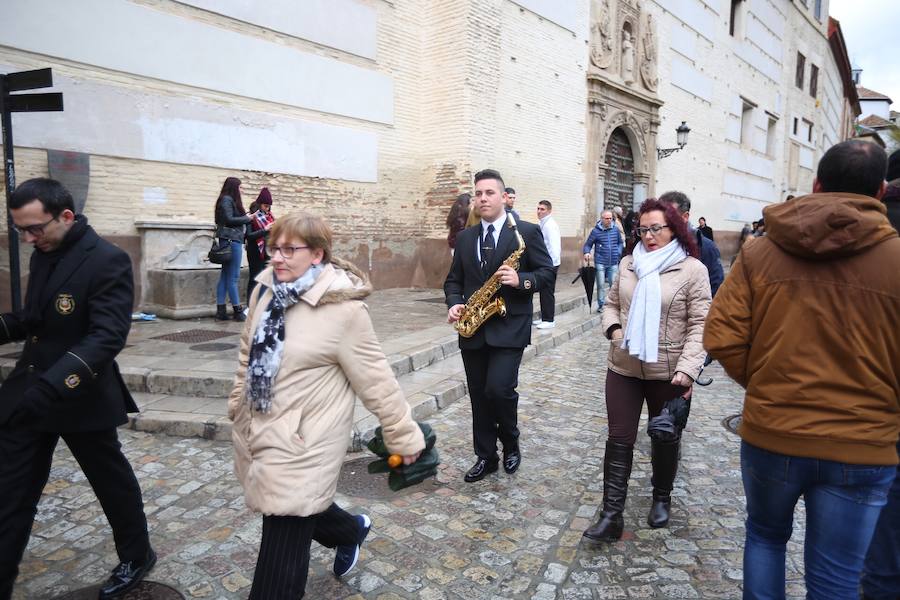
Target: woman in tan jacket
(654, 318)
(307, 351)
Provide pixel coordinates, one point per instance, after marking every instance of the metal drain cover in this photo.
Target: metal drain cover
(732, 423)
(194, 336)
(213, 347)
(146, 590)
(355, 480)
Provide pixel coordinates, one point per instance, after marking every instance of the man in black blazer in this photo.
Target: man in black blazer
(66, 384)
(492, 356)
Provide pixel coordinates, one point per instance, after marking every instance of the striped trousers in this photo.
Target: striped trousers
(283, 563)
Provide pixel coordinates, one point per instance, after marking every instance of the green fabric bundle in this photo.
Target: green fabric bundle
(405, 475)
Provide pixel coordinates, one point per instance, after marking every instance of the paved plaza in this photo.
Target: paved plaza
(504, 537)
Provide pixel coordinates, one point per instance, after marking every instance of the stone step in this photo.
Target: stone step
(406, 354)
(428, 389)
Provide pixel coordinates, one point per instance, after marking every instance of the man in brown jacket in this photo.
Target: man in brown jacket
(807, 322)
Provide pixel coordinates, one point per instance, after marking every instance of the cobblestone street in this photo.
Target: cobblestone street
(504, 537)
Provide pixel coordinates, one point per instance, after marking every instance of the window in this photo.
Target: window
(801, 68)
(771, 132)
(813, 80)
(747, 122)
(796, 123)
(734, 26)
(808, 127)
(818, 10)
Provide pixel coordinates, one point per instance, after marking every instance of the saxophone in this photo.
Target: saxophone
(482, 305)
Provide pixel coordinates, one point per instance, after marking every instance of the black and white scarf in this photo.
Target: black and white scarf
(268, 341)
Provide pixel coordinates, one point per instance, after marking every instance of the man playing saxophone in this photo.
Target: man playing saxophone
(485, 257)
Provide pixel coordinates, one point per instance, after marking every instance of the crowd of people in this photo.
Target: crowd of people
(805, 322)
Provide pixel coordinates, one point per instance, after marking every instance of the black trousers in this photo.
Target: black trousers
(493, 375)
(548, 298)
(625, 399)
(25, 459)
(255, 266)
(283, 563)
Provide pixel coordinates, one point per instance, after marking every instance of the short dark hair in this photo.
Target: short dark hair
(679, 199)
(54, 197)
(893, 171)
(490, 174)
(510, 190)
(854, 167)
(547, 204)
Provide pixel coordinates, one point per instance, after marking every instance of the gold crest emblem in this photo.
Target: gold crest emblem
(65, 304)
(73, 381)
(527, 284)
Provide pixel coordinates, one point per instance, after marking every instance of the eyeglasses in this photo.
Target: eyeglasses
(652, 230)
(286, 251)
(35, 230)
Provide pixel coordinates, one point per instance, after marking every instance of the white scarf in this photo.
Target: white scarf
(642, 333)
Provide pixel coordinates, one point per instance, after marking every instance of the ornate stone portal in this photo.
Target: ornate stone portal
(624, 107)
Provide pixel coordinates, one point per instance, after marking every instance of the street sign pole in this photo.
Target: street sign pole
(15, 82)
(9, 169)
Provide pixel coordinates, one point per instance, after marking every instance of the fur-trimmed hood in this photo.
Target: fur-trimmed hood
(340, 281)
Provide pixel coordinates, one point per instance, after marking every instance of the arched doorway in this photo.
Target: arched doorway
(618, 187)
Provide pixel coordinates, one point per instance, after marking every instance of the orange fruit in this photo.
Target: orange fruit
(394, 461)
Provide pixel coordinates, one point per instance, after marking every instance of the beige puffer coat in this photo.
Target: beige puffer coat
(289, 459)
(685, 302)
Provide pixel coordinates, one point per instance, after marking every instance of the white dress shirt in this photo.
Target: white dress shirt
(500, 222)
(552, 239)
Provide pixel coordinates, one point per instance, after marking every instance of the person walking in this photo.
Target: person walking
(705, 229)
(806, 324)
(653, 318)
(231, 225)
(66, 383)
(553, 242)
(307, 352)
(511, 203)
(492, 355)
(261, 220)
(606, 242)
(457, 219)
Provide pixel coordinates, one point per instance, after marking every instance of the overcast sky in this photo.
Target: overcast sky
(870, 29)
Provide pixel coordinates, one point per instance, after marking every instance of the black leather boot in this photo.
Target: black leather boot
(616, 471)
(221, 312)
(239, 313)
(664, 458)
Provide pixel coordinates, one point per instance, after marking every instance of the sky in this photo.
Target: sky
(870, 29)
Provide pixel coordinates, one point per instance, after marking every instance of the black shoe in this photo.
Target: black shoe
(617, 463)
(511, 461)
(481, 468)
(239, 313)
(126, 577)
(221, 313)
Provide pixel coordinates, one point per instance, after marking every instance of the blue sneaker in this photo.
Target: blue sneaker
(346, 556)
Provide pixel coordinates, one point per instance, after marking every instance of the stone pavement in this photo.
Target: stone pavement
(504, 537)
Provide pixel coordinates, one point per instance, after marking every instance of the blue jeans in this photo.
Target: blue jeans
(842, 506)
(881, 576)
(229, 275)
(605, 278)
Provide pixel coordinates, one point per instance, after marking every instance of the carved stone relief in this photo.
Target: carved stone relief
(601, 37)
(627, 56)
(648, 55)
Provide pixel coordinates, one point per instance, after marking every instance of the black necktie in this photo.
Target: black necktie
(487, 249)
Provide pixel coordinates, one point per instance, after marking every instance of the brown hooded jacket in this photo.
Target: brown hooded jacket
(808, 321)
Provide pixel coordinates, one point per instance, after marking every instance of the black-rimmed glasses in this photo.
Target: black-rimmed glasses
(35, 230)
(652, 230)
(285, 251)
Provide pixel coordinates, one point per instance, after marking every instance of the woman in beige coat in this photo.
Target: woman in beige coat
(307, 351)
(654, 318)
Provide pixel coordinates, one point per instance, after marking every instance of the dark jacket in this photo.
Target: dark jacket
(465, 278)
(231, 225)
(891, 201)
(73, 330)
(707, 231)
(709, 256)
(807, 323)
(607, 244)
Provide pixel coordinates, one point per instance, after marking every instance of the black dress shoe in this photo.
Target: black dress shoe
(512, 461)
(127, 576)
(481, 468)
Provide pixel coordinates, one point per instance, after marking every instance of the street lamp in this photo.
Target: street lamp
(681, 132)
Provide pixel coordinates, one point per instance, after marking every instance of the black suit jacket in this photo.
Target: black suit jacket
(85, 313)
(465, 278)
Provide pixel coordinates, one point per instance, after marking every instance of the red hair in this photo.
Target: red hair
(678, 226)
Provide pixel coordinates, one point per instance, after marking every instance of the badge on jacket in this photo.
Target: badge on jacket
(65, 304)
(72, 381)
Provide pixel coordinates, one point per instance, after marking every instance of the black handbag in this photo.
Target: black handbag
(220, 253)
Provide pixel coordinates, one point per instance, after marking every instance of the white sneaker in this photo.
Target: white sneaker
(536, 322)
(546, 325)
